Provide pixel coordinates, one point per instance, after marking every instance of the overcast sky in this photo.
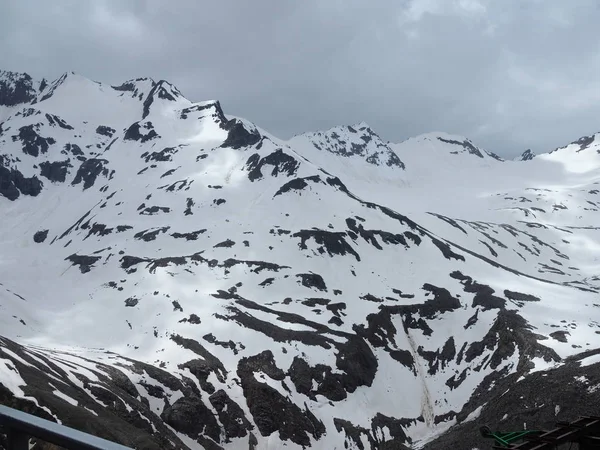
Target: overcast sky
(509, 74)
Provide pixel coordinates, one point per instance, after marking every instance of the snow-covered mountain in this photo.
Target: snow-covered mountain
(527, 155)
(174, 277)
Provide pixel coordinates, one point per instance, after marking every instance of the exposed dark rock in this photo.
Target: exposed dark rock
(281, 162)
(312, 280)
(130, 261)
(329, 385)
(225, 244)
(355, 434)
(449, 221)
(520, 297)
(442, 302)
(395, 428)
(191, 236)
(129, 86)
(298, 184)
(366, 143)
(225, 344)
(162, 90)
(78, 224)
(371, 235)
(209, 362)
(539, 401)
(191, 416)
(72, 149)
(32, 143)
(215, 107)
(439, 359)
(231, 415)
(57, 121)
(152, 210)
(270, 410)
(88, 172)
(312, 302)
(472, 320)
(259, 266)
(55, 171)
(584, 142)
(188, 209)
(168, 172)
(402, 295)
(150, 235)
(133, 132)
(84, 262)
(560, 335)
(509, 332)
(483, 293)
(176, 306)
(447, 250)
(371, 298)
(238, 136)
(13, 183)
(165, 155)
(131, 301)
(124, 419)
(40, 236)
(98, 229)
(334, 243)
(527, 155)
(467, 145)
(16, 88)
(105, 131)
(193, 319)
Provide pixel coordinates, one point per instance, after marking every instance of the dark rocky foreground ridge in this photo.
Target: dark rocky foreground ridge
(536, 402)
(226, 291)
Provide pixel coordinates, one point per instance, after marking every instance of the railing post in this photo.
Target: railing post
(17, 440)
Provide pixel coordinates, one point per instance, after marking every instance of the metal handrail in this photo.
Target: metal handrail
(20, 427)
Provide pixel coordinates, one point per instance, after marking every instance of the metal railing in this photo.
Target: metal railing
(585, 432)
(20, 427)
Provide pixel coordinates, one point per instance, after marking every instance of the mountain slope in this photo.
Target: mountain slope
(324, 291)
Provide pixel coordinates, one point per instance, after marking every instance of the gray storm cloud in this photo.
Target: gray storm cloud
(510, 75)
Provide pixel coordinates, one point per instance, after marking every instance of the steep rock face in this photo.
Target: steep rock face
(538, 402)
(231, 290)
(14, 184)
(17, 88)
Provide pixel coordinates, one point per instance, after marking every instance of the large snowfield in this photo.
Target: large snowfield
(170, 268)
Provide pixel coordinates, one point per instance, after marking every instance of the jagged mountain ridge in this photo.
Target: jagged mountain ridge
(236, 271)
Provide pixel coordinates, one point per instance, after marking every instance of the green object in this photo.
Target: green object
(506, 438)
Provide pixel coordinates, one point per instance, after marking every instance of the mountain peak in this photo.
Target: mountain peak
(361, 126)
(163, 91)
(351, 141)
(68, 80)
(527, 155)
(456, 144)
